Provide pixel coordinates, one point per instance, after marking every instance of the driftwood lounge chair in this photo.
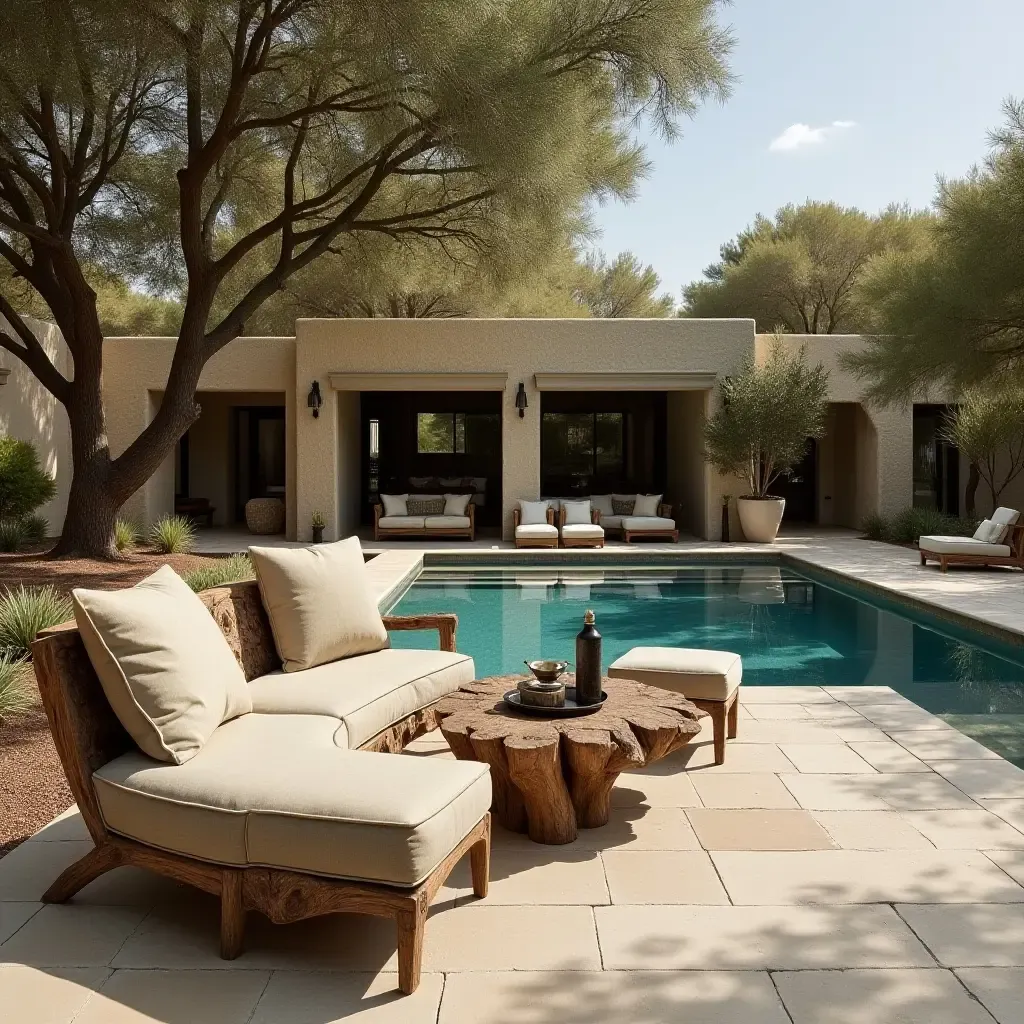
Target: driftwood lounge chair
(344, 846)
(997, 541)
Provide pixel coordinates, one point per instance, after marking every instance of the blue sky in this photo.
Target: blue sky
(914, 84)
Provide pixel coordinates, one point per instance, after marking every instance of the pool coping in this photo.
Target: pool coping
(399, 569)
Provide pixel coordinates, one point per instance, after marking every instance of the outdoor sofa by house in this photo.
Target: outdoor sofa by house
(240, 741)
(997, 541)
(424, 515)
(632, 515)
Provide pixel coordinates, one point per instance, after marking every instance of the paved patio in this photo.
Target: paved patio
(855, 860)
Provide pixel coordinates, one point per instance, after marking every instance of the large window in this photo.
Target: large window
(441, 433)
(581, 448)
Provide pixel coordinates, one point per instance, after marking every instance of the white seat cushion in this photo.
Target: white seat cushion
(638, 524)
(612, 522)
(695, 673)
(401, 522)
(989, 532)
(368, 693)
(962, 546)
(274, 790)
(582, 530)
(164, 665)
(447, 522)
(536, 530)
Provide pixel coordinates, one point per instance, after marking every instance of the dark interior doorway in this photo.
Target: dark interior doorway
(259, 434)
(800, 487)
(936, 462)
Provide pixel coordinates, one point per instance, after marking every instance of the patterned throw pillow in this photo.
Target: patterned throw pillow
(623, 506)
(425, 506)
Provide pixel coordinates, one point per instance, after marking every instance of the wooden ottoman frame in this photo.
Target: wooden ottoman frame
(725, 716)
(664, 512)
(88, 735)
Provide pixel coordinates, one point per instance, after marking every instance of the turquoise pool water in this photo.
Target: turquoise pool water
(789, 628)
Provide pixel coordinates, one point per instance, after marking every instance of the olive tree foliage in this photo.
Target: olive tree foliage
(767, 413)
(987, 426)
(211, 150)
(951, 314)
(798, 272)
(622, 287)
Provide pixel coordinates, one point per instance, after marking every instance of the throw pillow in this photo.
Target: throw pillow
(456, 504)
(394, 504)
(533, 513)
(1004, 518)
(622, 506)
(424, 506)
(576, 512)
(646, 504)
(319, 602)
(989, 532)
(603, 504)
(163, 662)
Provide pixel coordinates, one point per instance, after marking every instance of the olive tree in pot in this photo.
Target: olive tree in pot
(761, 429)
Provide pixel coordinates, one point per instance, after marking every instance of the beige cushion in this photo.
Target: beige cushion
(533, 513)
(582, 530)
(638, 524)
(455, 504)
(164, 665)
(275, 790)
(1004, 517)
(401, 522)
(612, 522)
(647, 505)
(394, 504)
(319, 602)
(535, 531)
(603, 504)
(695, 673)
(367, 693)
(447, 522)
(962, 546)
(989, 532)
(576, 512)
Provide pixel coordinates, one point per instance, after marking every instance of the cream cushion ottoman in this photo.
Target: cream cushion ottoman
(710, 679)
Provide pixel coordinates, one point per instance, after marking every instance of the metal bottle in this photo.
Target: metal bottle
(588, 662)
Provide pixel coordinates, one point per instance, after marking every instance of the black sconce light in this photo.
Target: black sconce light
(314, 399)
(521, 400)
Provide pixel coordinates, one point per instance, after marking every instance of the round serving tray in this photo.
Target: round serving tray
(569, 710)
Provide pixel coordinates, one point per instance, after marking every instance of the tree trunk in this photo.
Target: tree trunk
(971, 491)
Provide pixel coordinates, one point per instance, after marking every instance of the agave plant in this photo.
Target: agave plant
(173, 535)
(24, 611)
(15, 694)
(12, 534)
(126, 535)
(224, 570)
(36, 529)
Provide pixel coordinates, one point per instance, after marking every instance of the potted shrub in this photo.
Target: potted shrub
(318, 527)
(761, 429)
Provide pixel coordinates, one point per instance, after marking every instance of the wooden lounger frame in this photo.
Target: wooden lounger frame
(1015, 558)
(88, 735)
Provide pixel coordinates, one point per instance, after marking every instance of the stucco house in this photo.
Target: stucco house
(510, 409)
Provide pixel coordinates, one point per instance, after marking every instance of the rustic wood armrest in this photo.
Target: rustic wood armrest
(445, 623)
(595, 516)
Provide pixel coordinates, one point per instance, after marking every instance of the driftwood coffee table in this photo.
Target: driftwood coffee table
(552, 775)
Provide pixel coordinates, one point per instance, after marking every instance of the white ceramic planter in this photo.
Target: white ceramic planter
(760, 518)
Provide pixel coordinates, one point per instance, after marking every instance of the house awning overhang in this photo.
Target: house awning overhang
(397, 381)
(640, 380)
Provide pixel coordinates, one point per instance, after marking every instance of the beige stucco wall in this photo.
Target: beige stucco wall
(520, 348)
(688, 473)
(30, 413)
(135, 372)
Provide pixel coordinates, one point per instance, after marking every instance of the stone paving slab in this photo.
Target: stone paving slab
(1000, 989)
(979, 935)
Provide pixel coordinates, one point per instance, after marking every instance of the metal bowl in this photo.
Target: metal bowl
(547, 671)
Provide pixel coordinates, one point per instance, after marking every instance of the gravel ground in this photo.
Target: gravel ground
(32, 785)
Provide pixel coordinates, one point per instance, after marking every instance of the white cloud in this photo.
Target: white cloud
(800, 136)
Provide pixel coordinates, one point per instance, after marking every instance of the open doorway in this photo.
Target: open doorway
(259, 456)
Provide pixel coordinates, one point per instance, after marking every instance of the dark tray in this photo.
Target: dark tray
(569, 710)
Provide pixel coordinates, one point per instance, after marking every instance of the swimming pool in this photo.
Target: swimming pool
(790, 628)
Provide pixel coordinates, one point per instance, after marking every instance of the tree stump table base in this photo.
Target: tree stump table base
(551, 776)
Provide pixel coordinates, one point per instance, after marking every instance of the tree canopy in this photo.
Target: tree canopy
(951, 314)
(211, 150)
(623, 287)
(798, 272)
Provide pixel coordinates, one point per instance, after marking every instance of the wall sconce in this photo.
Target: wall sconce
(521, 400)
(314, 399)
